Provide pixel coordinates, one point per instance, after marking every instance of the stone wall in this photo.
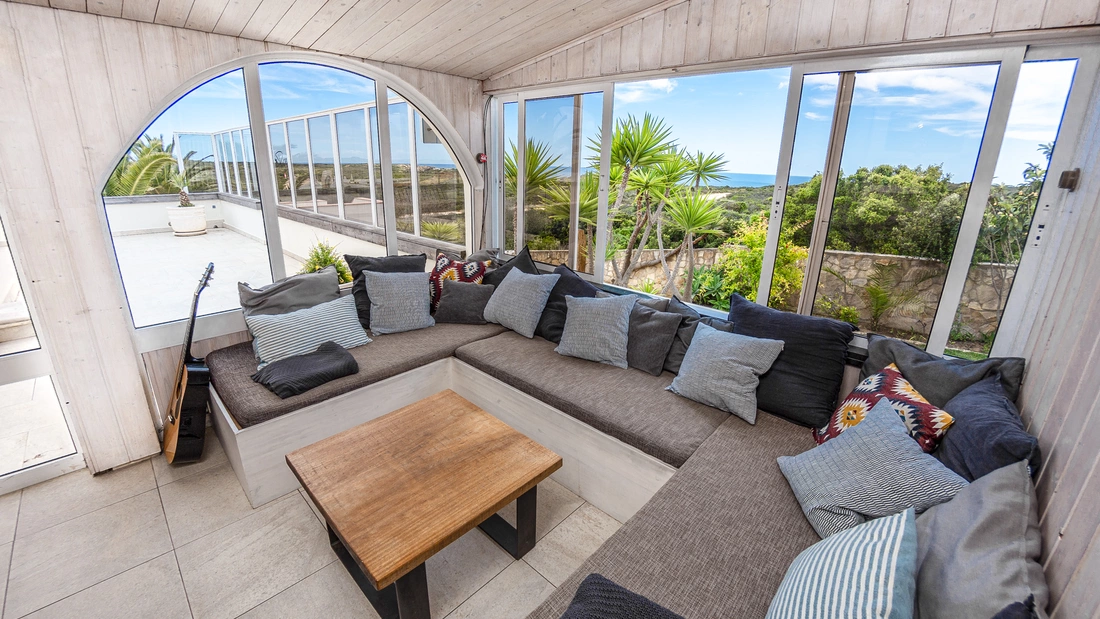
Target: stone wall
(983, 298)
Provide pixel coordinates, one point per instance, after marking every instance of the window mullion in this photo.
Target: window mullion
(269, 197)
(414, 178)
(337, 172)
(606, 131)
(976, 200)
(370, 165)
(389, 210)
(309, 161)
(521, 173)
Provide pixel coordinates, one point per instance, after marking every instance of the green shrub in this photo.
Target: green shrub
(832, 308)
(324, 254)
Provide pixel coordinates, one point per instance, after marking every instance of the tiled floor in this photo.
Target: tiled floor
(154, 540)
(32, 426)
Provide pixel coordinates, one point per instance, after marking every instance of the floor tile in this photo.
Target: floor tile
(511, 595)
(312, 506)
(562, 551)
(459, 570)
(64, 559)
(555, 503)
(203, 503)
(212, 456)
(9, 513)
(328, 593)
(152, 589)
(5, 562)
(79, 493)
(238, 567)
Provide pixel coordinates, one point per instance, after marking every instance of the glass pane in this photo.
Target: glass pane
(161, 247)
(356, 172)
(908, 160)
(249, 154)
(198, 162)
(242, 169)
(35, 430)
(299, 161)
(811, 143)
(401, 157)
(324, 168)
(16, 330)
(511, 138)
(1033, 123)
(379, 216)
(280, 159)
(440, 188)
(306, 97)
(715, 163)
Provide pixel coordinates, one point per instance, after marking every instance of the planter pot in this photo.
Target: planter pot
(187, 220)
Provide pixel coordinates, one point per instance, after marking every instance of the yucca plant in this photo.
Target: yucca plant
(441, 231)
(324, 254)
(694, 213)
(540, 170)
(704, 168)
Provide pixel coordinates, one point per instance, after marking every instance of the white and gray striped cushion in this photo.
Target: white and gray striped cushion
(867, 571)
(723, 370)
(278, 336)
(398, 301)
(597, 329)
(873, 469)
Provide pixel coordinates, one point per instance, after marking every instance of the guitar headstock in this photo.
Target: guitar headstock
(204, 281)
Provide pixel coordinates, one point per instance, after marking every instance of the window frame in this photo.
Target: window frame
(164, 335)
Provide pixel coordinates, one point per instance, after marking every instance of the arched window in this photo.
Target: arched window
(278, 166)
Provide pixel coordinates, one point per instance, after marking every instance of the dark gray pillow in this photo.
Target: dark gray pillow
(979, 552)
(651, 335)
(521, 261)
(691, 318)
(463, 302)
(804, 383)
(398, 301)
(939, 379)
(552, 321)
(599, 598)
(597, 329)
(987, 433)
(723, 369)
(871, 470)
(293, 293)
(518, 301)
(378, 264)
(298, 374)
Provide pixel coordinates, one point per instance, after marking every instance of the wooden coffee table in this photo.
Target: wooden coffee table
(396, 490)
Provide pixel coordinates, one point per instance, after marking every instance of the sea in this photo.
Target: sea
(735, 179)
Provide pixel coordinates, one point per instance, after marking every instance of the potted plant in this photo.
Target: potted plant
(186, 218)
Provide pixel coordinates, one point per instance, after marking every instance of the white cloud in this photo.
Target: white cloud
(636, 92)
(815, 116)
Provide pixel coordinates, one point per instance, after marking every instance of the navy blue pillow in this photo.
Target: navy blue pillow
(803, 383)
(987, 433)
(552, 323)
(599, 598)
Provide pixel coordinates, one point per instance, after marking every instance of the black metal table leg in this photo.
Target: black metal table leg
(520, 539)
(405, 599)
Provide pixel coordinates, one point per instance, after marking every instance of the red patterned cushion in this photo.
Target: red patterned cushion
(446, 268)
(926, 423)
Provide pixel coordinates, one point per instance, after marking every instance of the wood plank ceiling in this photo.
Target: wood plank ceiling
(470, 38)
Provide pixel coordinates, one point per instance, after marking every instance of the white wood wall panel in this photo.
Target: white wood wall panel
(693, 33)
(76, 87)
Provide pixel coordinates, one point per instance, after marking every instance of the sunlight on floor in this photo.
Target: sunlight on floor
(32, 426)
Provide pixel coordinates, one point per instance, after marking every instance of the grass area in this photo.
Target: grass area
(969, 355)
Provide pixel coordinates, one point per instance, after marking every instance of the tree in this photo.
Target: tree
(146, 164)
(694, 213)
(559, 200)
(704, 167)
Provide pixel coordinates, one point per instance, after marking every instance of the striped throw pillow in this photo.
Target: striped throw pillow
(278, 336)
(866, 571)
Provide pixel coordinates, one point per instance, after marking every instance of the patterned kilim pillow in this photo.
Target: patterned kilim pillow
(926, 423)
(446, 268)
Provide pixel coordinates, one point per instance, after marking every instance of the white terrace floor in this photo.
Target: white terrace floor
(152, 540)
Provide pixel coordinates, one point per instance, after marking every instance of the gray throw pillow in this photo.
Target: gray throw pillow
(463, 302)
(979, 552)
(291, 294)
(871, 470)
(597, 329)
(723, 369)
(691, 319)
(651, 335)
(398, 301)
(278, 336)
(518, 301)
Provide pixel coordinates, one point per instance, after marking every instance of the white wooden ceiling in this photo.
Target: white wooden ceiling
(471, 38)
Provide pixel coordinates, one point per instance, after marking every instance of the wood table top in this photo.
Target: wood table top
(400, 488)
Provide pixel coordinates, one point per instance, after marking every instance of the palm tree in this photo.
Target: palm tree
(694, 213)
(634, 144)
(558, 205)
(540, 170)
(142, 169)
(704, 167)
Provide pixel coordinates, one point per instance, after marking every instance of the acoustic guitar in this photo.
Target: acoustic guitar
(185, 419)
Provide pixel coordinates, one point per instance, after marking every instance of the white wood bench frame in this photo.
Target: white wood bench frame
(611, 475)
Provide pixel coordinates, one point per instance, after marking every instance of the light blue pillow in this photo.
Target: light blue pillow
(518, 301)
(278, 336)
(398, 301)
(597, 329)
(866, 571)
(873, 469)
